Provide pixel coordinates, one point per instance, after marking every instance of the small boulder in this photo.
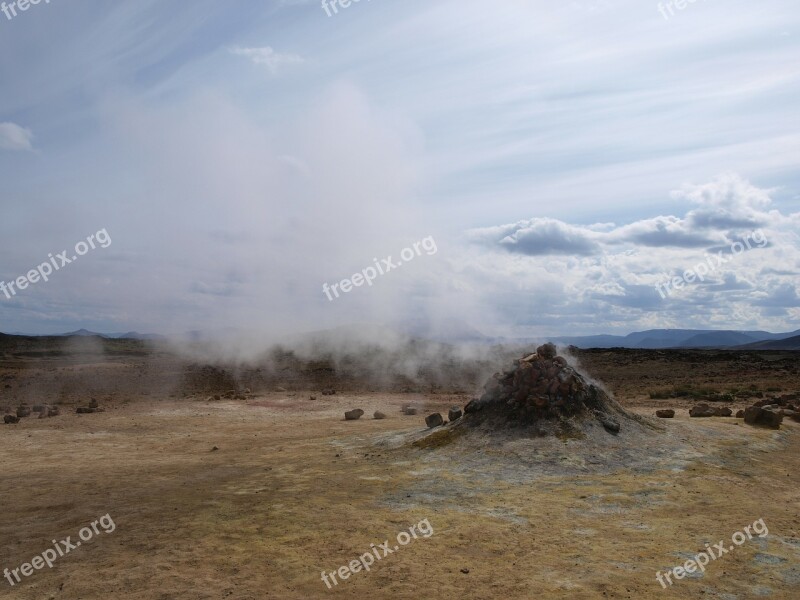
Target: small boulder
(472, 406)
(409, 410)
(454, 414)
(23, 411)
(666, 413)
(39, 408)
(724, 412)
(10, 420)
(757, 416)
(353, 415)
(740, 414)
(379, 415)
(702, 410)
(434, 420)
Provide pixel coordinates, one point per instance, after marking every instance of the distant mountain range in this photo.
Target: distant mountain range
(689, 338)
(792, 343)
(131, 335)
(453, 332)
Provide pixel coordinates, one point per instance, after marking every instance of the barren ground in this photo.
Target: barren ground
(293, 490)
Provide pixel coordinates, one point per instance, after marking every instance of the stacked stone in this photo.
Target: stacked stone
(539, 386)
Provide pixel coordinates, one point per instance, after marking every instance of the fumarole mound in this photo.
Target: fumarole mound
(544, 392)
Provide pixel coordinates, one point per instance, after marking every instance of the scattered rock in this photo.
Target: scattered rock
(434, 420)
(454, 414)
(329, 392)
(409, 410)
(214, 449)
(465, 571)
(10, 420)
(39, 408)
(23, 411)
(472, 406)
(740, 414)
(666, 413)
(760, 417)
(379, 415)
(724, 412)
(353, 415)
(312, 397)
(702, 410)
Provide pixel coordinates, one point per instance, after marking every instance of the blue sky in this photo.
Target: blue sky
(566, 157)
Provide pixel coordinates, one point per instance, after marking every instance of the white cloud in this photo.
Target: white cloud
(549, 282)
(14, 137)
(267, 56)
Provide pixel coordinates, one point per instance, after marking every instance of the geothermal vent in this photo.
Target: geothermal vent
(543, 392)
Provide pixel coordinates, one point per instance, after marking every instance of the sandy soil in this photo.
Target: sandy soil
(293, 490)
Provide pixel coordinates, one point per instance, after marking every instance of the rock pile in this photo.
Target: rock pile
(770, 412)
(543, 388)
(24, 411)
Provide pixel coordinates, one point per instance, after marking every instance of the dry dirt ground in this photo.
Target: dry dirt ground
(292, 490)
